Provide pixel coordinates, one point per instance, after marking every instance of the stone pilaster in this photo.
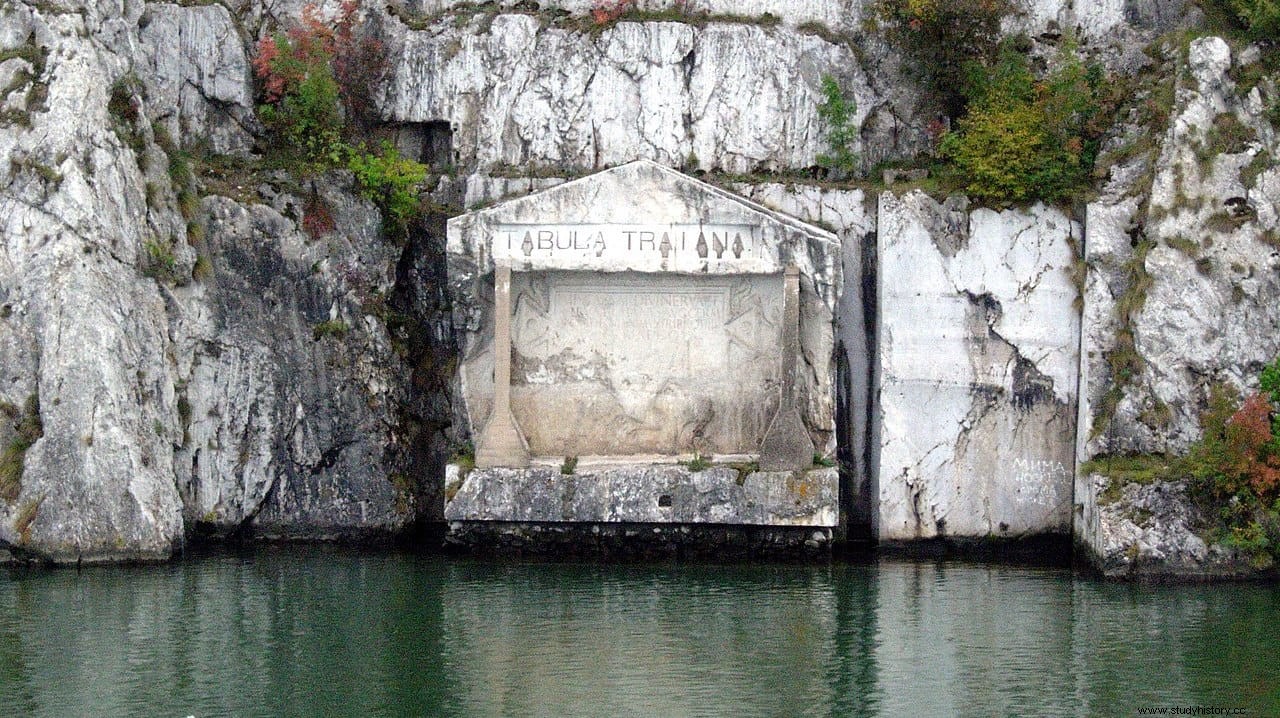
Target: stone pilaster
(786, 445)
(501, 443)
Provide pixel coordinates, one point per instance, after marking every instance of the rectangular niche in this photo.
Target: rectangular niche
(428, 142)
(629, 363)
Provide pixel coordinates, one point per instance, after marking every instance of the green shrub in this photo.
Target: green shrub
(333, 328)
(1026, 139)
(697, 463)
(301, 74)
(463, 454)
(391, 181)
(1005, 153)
(837, 113)
(305, 114)
(124, 102)
(569, 466)
(159, 262)
(202, 269)
(314, 90)
(1262, 17)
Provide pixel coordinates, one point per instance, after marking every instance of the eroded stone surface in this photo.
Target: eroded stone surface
(978, 341)
(1150, 531)
(647, 494)
(1092, 20)
(196, 70)
(520, 94)
(169, 400)
(1209, 229)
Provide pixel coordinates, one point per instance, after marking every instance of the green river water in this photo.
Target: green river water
(314, 631)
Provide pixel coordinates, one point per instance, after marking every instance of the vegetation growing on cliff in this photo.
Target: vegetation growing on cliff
(945, 42)
(27, 428)
(1024, 138)
(1262, 17)
(838, 114)
(315, 89)
(1232, 472)
(1006, 135)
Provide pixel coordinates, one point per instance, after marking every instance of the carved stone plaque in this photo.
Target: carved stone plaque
(638, 314)
(626, 364)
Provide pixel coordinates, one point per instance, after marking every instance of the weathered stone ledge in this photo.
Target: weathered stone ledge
(649, 494)
(638, 541)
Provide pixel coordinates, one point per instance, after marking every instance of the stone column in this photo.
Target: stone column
(786, 445)
(501, 443)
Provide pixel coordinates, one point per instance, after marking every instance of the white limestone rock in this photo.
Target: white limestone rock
(834, 14)
(978, 354)
(1099, 20)
(1212, 226)
(523, 95)
(166, 403)
(291, 431)
(1093, 20)
(1151, 532)
(194, 64)
(86, 333)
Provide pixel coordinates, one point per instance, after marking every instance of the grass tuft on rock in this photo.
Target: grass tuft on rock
(27, 429)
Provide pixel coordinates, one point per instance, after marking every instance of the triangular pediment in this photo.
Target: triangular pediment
(642, 217)
(639, 189)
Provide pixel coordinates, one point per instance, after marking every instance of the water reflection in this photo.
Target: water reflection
(321, 631)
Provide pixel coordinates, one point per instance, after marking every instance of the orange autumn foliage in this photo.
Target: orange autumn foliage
(1250, 457)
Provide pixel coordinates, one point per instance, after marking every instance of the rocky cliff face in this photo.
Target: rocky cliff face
(1189, 261)
(185, 356)
(195, 364)
(977, 356)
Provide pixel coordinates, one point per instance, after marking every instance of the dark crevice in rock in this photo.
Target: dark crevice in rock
(426, 340)
(859, 491)
(329, 458)
(1030, 385)
(244, 531)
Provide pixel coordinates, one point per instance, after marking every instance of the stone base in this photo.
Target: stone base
(640, 541)
(644, 494)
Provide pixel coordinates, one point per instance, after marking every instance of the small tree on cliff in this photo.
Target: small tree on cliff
(298, 90)
(316, 82)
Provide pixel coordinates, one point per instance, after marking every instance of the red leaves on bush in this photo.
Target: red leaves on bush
(317, 219)
(1249, 442)
(606, 11)
(274, 83)
(317, 44)
(359, 64)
